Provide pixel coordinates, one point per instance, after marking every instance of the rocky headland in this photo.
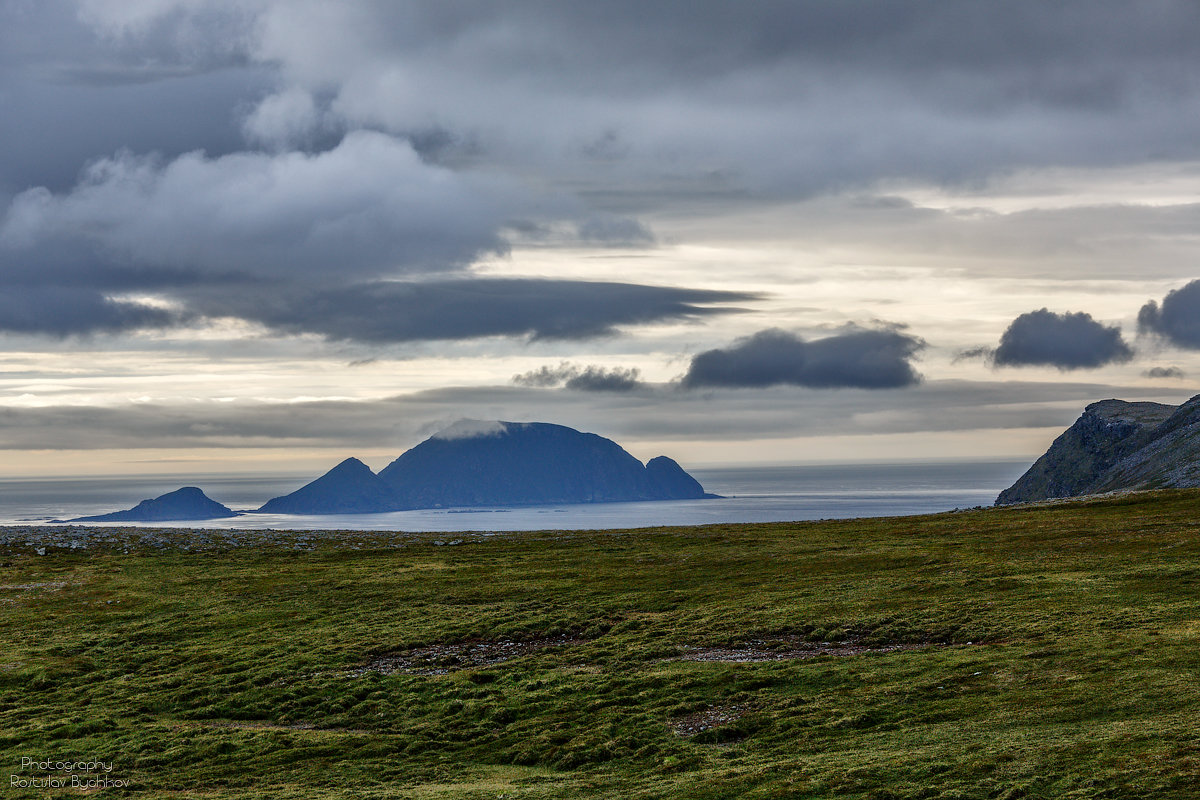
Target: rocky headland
(1116, 445)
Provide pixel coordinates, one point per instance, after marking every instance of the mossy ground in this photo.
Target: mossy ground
(1063, 661)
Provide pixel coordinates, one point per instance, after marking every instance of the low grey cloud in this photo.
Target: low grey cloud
(376, 312)
(587, 379)
(403, 421)
(1066, 341)
(403, 311)
(865, 359)
(1164, 372)
(1177, 320)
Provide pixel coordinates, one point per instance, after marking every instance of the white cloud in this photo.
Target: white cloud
(283, 118)
(471, 429)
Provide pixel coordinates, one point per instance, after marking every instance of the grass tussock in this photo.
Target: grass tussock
(1011, 653)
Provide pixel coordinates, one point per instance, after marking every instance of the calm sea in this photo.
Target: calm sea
(751, 494)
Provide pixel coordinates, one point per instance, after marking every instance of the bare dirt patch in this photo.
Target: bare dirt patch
(784, 648)
(48, 586)
(719, 716)
(440, 659)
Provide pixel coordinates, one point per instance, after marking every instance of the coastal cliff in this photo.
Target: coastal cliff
(1117, 445)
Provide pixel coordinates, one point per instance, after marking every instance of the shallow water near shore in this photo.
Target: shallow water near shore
(750, 494)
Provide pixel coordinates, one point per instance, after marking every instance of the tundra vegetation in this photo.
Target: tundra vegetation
(1034, 652)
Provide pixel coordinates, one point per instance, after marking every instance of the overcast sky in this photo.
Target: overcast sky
(257, 235)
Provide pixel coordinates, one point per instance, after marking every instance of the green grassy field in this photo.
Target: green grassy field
(1048, 652)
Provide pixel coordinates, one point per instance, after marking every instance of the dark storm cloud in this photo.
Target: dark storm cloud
(369, 206)
(71, 96)
(222, 226)
(396, 311)
(865, 359)
(1066, 341)
(66, 312)
(1177, 320)
(631, 46)
(315, 229)
(790, 98)
(213, 134)
(775, 97)
(296, 242)
(63, 126)
(586, 379)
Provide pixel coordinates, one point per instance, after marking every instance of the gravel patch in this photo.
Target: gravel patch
(440, 659)
(701, 721)
(29, 587)
(44, 540)
(785, 648)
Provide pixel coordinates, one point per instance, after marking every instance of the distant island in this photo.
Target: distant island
(473, 464)
(181, 504)
(1117, 445)
(469, 464)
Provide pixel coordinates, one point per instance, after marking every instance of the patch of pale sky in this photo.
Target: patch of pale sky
(999, 445)
(1145, 184)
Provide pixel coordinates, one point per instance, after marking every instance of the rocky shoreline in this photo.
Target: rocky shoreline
(46, 539)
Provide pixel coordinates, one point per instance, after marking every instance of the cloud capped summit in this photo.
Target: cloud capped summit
(475, 463)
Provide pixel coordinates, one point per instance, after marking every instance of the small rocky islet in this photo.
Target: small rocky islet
(187, 503)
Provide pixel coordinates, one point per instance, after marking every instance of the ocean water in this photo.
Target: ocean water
(750, 494)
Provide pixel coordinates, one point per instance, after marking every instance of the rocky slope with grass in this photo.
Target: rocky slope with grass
(1116, 445)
